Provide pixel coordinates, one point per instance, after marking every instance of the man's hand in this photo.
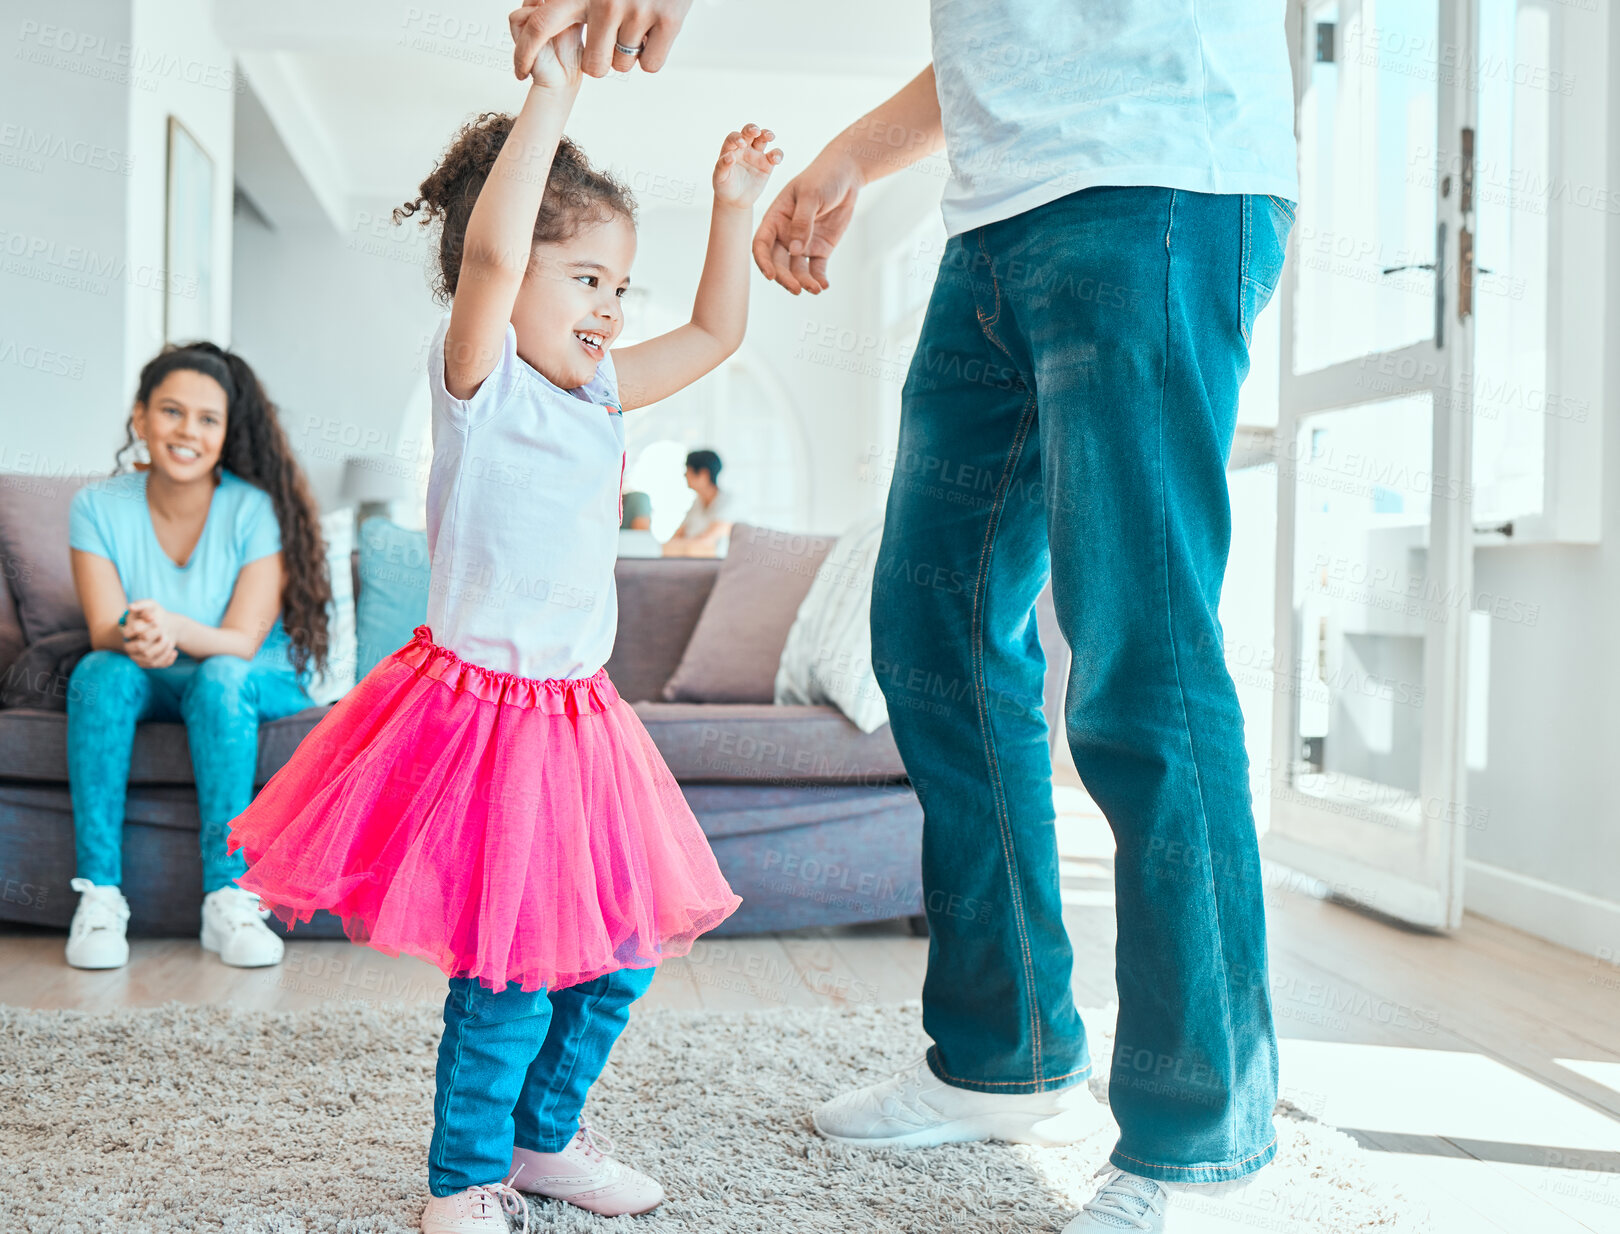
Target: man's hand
(648, 24)
(806, 220)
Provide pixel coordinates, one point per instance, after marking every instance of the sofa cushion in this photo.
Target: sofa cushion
(393, 592)
(42, 675)
(730, 743)
(34, 543)
(35, 746)
(737, 646)
(11, 633)
(660, 600)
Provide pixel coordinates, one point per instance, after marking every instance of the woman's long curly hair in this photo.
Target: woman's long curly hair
(256, 450)
(576, 194)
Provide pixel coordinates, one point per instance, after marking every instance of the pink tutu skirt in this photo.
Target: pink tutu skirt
(504, 828)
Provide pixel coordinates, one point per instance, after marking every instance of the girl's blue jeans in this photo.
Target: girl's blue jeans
(221, 700)
(514, 1069)
(1068, 415)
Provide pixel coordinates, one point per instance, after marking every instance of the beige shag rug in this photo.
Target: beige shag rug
(211, 1118)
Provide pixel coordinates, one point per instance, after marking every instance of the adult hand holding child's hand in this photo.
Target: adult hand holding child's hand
(744, 166)
(650, 25)
(555, 64)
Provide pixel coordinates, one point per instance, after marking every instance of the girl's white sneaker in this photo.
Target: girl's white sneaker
(233, 925)
(96, 936)
(477, 1210)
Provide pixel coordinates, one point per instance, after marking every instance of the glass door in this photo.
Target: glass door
(1374, 543)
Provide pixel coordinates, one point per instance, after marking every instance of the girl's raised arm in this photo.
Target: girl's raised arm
(657, 368)
(500, 230)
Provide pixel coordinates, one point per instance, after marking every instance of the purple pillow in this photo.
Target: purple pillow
(34, 551)
(737, 645)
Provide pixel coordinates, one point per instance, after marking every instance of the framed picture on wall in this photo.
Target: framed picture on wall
(188, 247)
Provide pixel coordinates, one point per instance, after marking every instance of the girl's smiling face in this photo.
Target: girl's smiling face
(183, 424)
(569, 309)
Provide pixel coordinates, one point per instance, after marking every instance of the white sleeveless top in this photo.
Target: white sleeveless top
(523, 518)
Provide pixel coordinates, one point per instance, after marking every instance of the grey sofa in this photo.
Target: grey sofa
(812, 821)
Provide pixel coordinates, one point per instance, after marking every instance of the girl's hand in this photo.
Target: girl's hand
(556, 63)
(745, 165)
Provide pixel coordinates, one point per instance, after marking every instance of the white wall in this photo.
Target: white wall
(65, 170)
(337, 327)
(1546, 854)
(84, 107)
(190, 75)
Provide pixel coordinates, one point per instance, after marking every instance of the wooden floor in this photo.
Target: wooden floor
(1482, 1068)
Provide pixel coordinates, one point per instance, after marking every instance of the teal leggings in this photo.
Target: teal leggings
(222, 701)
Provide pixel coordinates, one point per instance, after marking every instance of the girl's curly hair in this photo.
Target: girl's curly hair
(576, 195)
(257, 450)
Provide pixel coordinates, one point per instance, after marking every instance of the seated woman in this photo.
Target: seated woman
(179, 566)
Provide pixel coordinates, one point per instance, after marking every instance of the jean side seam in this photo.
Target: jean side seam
(1020, 919)
(995, 285)
(1246, 208)
(450, 1084)
(998, 791)
(1181, 691)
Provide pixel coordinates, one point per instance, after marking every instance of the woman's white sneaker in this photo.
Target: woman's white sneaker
(477, 1210)
(233, 925)
(96, 936)
(585, 1176)
(916, 1109)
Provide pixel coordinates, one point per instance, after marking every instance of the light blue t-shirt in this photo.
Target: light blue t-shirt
(1043, 98)
(111, 519)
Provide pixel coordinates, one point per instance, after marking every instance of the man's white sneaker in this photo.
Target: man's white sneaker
(915, 1109)
(1130, 1202)
(585, 1176)
(233, 925)
(477, 1210)
(96, 936)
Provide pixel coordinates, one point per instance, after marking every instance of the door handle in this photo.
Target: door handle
(1465, 274)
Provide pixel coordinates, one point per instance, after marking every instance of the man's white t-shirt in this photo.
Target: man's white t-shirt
(1042, 98)
(699, 517)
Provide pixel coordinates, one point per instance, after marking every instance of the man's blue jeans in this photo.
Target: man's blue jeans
(1068, 414)
(222, 700)
(514, 1069)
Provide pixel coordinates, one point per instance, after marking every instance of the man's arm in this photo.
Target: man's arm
(809, 215)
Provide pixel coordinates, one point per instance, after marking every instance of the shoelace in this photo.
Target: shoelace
(906, 1097)
(240, 908)
(596, 1146)
(501, 1196)
(101, 908)
(1126, 1200)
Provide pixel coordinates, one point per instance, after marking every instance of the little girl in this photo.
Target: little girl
(484, 798)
